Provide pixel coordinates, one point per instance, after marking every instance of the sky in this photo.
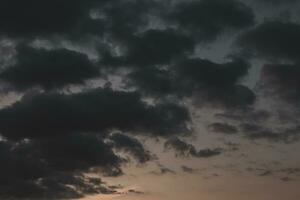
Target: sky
(149, 99)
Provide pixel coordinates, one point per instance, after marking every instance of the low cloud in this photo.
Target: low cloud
(207, 19)
(96, 110)
(132, 146)
(48, 69)
(184, 149)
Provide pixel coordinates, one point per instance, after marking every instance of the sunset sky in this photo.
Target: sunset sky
(149, 99)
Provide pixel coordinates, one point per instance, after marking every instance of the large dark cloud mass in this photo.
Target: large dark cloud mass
(154, 81)
(273, 40)
(278, 43)
(48, 69)
(91, 111)
(33, 17)
(60, 136)
(213, 82)
(204, 73)
(152, 47)
(124, 18)
(47, 168)
(216, 82)
(208, 18)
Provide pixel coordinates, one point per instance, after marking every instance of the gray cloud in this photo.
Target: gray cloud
(131, 146)
(273, 40)
(46, 168)
(207, 19)
(48, 69)
(184, 149)
(96, 110)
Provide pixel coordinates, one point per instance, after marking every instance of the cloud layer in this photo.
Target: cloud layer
(146, 54)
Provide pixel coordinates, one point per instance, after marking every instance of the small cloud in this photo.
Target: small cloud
(184, 149)
(188, 169)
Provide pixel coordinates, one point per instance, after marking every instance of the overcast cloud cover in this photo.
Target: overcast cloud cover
(94, 80)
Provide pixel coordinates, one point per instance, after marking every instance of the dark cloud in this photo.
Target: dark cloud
(206, 73)
(184, 149)
(217, 83)
(205, 80)
(266, 173)
(87, 28)
(207, 19)
(61, 186)
(150, 48)
(223, 128)
(282, 80)
(154, 82)
(278, 2)
(273, 40)
(256, 131)
(119, 19)
(92, 111)
(122, 19)
(34, 17)
(79, 151)
(48, 69)
(266, 134)
(52, 169)
(75, 19)
(278, 42)
(157, 47)
(132, 146)
(54, 159)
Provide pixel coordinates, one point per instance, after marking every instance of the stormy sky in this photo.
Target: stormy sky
(149, 99)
